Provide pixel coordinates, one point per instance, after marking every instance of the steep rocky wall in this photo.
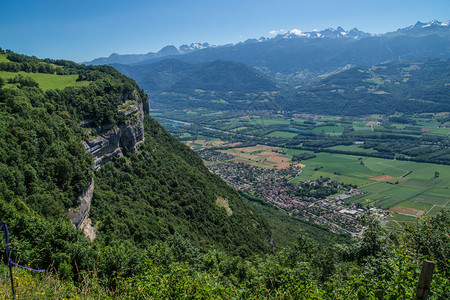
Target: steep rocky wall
(80, 213)
(112, 141)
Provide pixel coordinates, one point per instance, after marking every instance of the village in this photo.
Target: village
(321, 201)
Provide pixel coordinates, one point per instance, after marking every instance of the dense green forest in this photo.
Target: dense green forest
(167, 227)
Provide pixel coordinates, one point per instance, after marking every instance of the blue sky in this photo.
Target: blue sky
(83, 30)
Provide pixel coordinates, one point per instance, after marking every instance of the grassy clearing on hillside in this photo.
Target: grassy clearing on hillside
(48, 81)
(3, 58)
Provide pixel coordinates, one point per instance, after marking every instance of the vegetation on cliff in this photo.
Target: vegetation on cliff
(139, 199)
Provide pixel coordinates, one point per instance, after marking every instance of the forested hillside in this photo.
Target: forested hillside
(139, 198)
(220, 84)
(408, 87)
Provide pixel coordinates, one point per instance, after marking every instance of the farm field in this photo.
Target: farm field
(353, 148)
(441, 131)
(282, 134)
(331, 130)
(417, 190)
(407, 188)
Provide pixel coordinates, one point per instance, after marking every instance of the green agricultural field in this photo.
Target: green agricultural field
(267, 121)
(331, 130)
(361, 126)
(440, 131)
(298, 121)
(417, 190)
(282, 134)
(48, 81)
(353, 148)
(213, 114)
(402, 192)
(417, 205)
(238, 128)
(427, 123)
(397, 221)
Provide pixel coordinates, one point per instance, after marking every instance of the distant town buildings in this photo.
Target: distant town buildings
(310, 200)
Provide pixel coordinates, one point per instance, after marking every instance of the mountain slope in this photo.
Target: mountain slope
(146, 189)
(158, 76)
(220, 84)
(409, 87)
(224, 76)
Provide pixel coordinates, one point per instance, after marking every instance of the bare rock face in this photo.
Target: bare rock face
(79, 214)
(113, 140)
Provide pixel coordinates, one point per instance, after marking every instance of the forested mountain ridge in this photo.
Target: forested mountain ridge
(414, 86)
(220, 84)
(410, 86)
(146, 193)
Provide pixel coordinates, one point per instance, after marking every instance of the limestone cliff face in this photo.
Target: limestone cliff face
(79, 214)
(113, 140)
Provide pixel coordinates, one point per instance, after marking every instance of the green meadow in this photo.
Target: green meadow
(441, 131)
(48, 81)
(282, 134)
(353, 148)
(3, 58)
(331, 130)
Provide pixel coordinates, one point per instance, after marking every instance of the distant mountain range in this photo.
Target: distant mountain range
(329, 33)
(136, 58)
(293, 67)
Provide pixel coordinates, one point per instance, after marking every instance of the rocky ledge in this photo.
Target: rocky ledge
(113, 140)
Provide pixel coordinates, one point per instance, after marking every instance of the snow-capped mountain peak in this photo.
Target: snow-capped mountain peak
(183, 49)
(430, 25)
(327, 33)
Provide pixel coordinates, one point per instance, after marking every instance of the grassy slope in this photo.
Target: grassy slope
(48, 81)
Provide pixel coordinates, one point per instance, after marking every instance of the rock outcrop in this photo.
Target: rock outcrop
(113, 140)
(80, 213)
(110, 143)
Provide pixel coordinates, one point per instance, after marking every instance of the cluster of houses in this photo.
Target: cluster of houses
(275, 187)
